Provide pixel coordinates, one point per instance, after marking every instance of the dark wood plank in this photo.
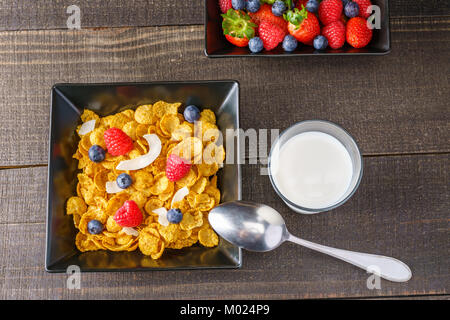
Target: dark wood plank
(49, 14)
(23, 196)
(400, 210)
(392, 104)
(428, 297)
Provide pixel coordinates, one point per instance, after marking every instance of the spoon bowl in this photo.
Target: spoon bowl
(255, 227)
(258, 227)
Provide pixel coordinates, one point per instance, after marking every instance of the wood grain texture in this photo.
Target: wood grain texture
(400, 210)
(428, 297)
(23, 196)
(392, 104)
(51, 14)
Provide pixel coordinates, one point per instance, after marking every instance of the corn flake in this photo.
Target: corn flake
(150, 187)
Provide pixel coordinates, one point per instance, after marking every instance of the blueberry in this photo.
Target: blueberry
(96, 153)
(238, 4)
(94, 227)
(312, 6)
(191, 114)
(278, 8)
(255, 44)
(253, 5)
(289, 43)
(351, 9)
(124, 181)
(174, 215)
(320, 42)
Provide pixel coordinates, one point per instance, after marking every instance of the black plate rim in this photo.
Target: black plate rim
(287, 55)
(47, 266)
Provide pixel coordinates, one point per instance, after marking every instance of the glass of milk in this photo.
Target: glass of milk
(315, 166)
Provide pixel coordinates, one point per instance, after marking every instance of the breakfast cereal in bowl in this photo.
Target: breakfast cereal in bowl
(147, 179)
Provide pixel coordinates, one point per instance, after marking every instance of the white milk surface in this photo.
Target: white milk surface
(314, 170)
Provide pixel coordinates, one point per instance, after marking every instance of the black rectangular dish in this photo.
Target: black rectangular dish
(67, 103)
(216, 46)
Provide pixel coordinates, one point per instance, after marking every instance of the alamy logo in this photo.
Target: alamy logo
(374, 21)
(374, 282)
(74, 20)
(74, 279)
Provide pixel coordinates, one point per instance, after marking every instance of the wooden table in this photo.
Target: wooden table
(395, 106)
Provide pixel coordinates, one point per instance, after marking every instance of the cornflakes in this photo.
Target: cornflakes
(207, 237)
(150, 188)
(76, 205)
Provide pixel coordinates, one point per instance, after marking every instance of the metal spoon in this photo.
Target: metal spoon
(257, 227)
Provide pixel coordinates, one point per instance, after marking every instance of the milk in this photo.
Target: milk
(312, 170)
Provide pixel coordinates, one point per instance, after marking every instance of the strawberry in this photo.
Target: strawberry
(238, 27)
(238, 42)
(117, 142)
(301, 3)
(330, 11)
(271, 34)
(265, 13)
(363, 5)
(303, 25)
(335, 34)
(225, 5)
(128, 215)
(358, 34)
(176, 167)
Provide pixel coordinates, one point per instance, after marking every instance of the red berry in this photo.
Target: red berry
(117, 142)
(301, 3)
(265, 13)
(363, 5)
(344, 19)
(330, 11)
(358, 34)
(225, 5)
(303, 25)
(238, 42)
(335, 34)
(238, 27)
(128, 215)
(176, 167)
(271, 34)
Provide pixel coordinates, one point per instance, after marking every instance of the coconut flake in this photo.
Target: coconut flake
(112, 187)
(162, 213)
(179, 195)
(143, 161)
(87, 127)
(130, 231)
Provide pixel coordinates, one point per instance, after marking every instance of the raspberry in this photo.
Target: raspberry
(335, 34)
(128, 215)
(271, 34)
(117, 142)
(363, 6)
(176, 167)
(225, 5)
(330, 11)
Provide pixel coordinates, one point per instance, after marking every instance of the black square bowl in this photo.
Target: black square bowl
(67, 103)
(217, 46)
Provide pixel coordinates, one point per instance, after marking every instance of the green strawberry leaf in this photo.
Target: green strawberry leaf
(296, 16)
(238, 24)
(289, 4)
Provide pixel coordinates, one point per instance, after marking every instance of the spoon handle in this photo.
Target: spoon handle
(386, 267)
